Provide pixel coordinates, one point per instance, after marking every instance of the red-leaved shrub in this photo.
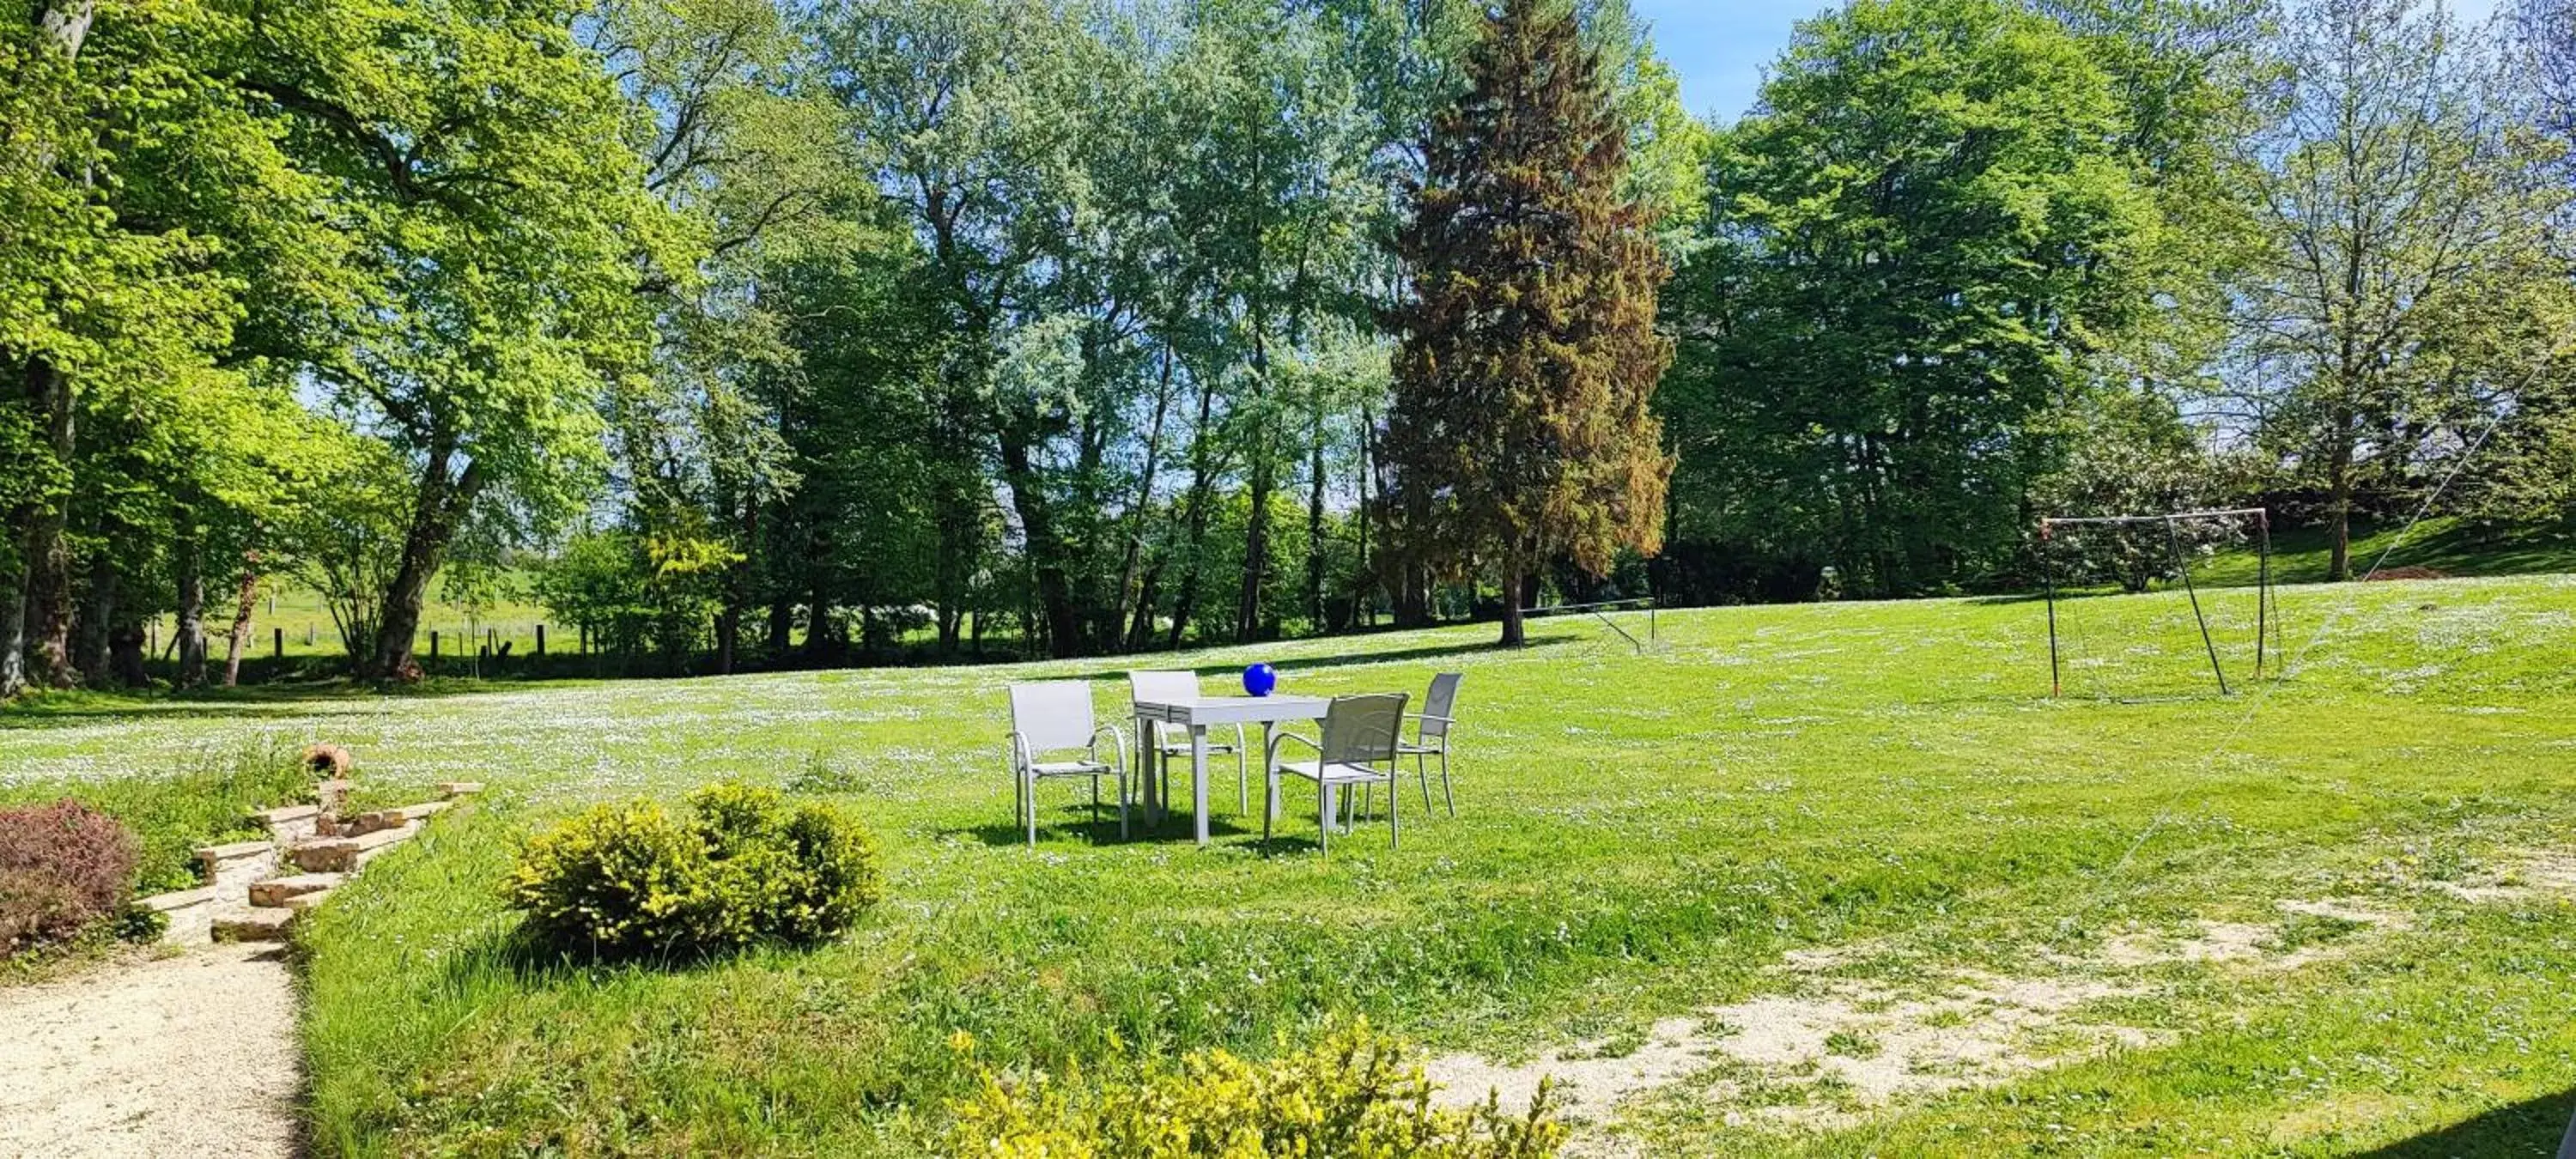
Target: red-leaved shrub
(62, 867)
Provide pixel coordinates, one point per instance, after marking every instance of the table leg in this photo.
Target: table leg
(1142, 762)
(1270, 784)
(1198, 778)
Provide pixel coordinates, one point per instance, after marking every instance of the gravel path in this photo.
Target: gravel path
(192, 1055)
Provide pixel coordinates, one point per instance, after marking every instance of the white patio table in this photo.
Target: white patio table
(1196, 715)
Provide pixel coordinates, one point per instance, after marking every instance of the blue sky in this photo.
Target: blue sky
(1719, 46)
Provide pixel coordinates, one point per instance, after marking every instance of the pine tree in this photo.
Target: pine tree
(1521, 430)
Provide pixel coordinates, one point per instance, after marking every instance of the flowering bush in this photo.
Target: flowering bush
(1352, 1093)
(63, 867)
(625, 880)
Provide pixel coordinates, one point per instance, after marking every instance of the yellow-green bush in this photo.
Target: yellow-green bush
(1353, 1092)
(626, 880)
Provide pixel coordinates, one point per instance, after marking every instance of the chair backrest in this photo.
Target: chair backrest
(1053, 714)
(1442, 703)
(1362, 730)
(1163, 687)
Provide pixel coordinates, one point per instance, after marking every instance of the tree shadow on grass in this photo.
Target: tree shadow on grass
(1144, 661)
(514, 952)
(1073, 822)
(282, 700)
(2531, 1128)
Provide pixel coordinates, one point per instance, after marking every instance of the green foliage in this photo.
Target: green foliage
(1520, 428)
(622, 881)
(2412, 292)
(208, 801)
(636, 593)
(1352, 1092)
(1926, 225)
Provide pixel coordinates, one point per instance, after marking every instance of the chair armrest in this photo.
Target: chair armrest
(1114, 733)
(1020, 755)
(1270, 759)
(1428, 716)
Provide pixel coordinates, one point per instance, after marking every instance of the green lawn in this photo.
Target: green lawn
(2446, 544)
(1884, 789)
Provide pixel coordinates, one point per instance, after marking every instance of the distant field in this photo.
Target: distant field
(1829, 880)
(2447, 545)
(296, 616)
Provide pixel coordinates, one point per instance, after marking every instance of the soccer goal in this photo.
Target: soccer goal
(2134, 549)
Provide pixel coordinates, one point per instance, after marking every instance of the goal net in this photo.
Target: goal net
(2115, 628)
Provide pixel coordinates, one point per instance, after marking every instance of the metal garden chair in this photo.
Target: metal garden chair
(1164, 688)
(1431, 738)
(1357, 749)
(1053, 717)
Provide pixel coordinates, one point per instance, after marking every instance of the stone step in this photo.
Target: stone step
(254, 925)
(454, 789)
(189, 914)
(346, 854)
(278, 891)
(289, 823)
(305, 901)
(383, 819)
(231, 868)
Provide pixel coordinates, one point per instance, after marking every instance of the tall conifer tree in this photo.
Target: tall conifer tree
(1520, 430)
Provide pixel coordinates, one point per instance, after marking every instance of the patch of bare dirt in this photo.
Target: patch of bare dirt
(190, 1055)
(1980, 1029)
(2526, 877)
(1843, 1046)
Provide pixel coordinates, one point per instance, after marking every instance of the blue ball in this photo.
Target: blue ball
(1260, 679)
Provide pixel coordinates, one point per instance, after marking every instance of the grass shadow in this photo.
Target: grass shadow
(511, 951)
(1296, 664)
(1076, 819)
(2533, 1127)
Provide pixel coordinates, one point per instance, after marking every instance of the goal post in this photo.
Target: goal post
(2172, 522)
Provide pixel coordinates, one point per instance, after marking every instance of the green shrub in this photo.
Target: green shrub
(1352, 1093)
(627, 880)
(206, 803)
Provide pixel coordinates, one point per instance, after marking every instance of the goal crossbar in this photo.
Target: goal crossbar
(2063, 521)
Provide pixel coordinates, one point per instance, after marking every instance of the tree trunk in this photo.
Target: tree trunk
(2339, 518)
(1137, 515)
(782, 626)
(246, 598)
(1363, 586)
(1149, 593)
(49, 561)
(1256, 546)
(433, 523)
(97, 616)
(190, 553)
(47, 590)
(1202, 477)
(13, 637)
(1046, 552)
(125, 651)
(1315, 526)
(1513, 633)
